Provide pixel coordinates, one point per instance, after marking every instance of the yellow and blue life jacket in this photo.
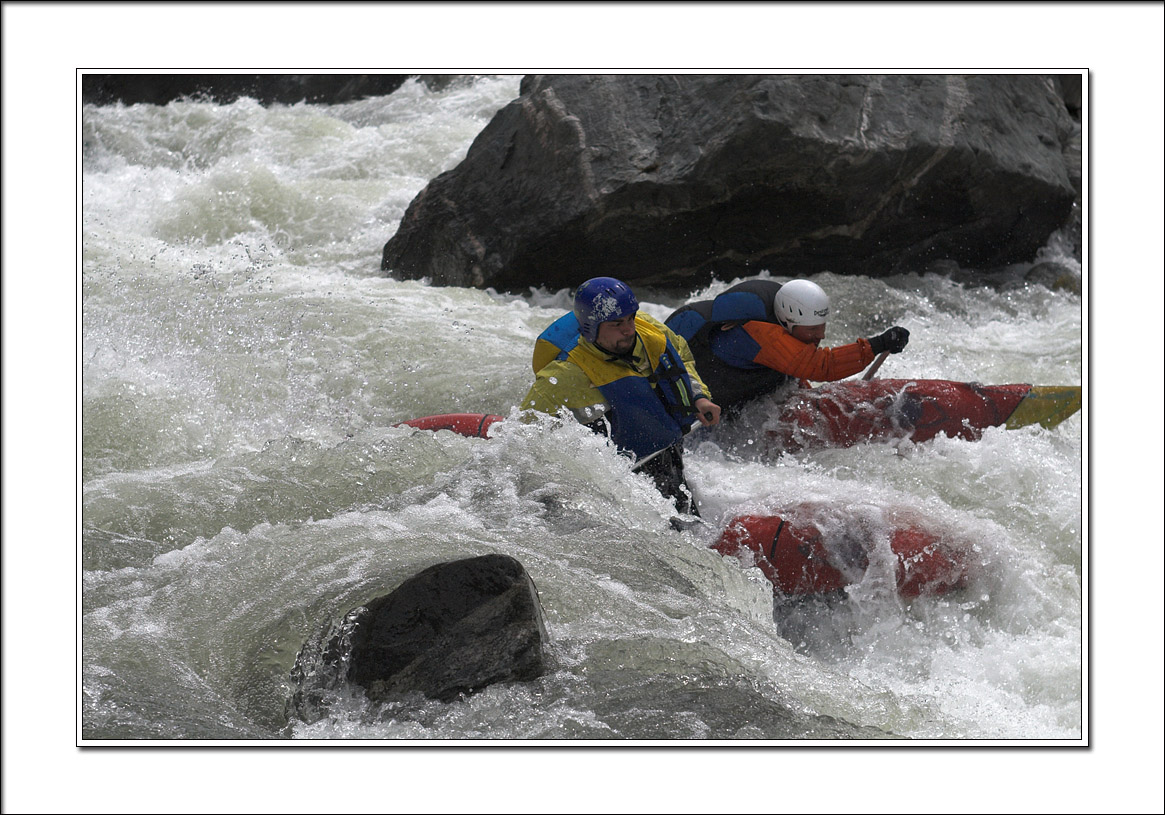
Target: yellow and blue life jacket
(649, 408)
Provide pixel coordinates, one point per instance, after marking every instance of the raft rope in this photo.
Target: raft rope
(773, 546)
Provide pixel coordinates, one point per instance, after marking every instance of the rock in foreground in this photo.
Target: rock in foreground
(453, 628)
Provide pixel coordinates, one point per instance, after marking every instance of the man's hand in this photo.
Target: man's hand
(709, 411)
(892, 340)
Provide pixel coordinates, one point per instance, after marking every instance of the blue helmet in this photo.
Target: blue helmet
(599, 300)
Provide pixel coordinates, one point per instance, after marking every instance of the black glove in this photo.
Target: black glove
(892, 340)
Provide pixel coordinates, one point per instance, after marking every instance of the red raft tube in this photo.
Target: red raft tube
(811, 550)
(474, 425)
(843, 414)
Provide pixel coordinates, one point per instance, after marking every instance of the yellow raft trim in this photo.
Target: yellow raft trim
(1047, 405)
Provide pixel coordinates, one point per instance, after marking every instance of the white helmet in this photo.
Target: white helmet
(801, 302)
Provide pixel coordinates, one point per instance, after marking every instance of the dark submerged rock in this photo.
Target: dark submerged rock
(670, 180)
(1056, 276)
(452, 629)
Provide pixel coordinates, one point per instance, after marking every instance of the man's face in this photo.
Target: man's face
(617, 336)
(809, 334)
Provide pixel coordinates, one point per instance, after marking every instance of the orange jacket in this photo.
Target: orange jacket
(782, 352)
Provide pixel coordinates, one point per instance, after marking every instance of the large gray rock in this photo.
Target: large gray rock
(453, 628)
(671, 180)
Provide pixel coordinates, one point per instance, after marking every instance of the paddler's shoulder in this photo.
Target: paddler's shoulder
(562, 372)
(642, 317)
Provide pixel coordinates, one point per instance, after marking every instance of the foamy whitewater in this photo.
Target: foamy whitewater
(243, 486)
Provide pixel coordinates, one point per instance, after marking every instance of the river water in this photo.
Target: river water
(243, 485)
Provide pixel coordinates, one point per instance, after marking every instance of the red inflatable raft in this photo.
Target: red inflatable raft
(811, 550)
(842, 414)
